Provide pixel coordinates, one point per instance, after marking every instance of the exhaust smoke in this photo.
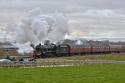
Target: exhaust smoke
(36, 27)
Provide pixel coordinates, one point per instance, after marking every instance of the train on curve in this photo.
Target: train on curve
(92, 47)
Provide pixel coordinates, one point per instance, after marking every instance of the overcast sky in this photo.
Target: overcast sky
(87, 18)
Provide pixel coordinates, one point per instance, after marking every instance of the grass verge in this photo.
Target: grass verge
(116, 57)
(98, 73)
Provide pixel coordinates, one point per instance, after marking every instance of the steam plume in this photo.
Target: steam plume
(36, 27)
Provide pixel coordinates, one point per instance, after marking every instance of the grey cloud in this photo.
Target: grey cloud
(66, 5)
(86, 16)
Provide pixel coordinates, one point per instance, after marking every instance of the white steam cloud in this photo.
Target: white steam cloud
(36, 27)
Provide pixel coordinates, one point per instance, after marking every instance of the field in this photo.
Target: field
(97, 73)
(116, 57)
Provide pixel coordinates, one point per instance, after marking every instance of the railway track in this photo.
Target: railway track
(57, 63)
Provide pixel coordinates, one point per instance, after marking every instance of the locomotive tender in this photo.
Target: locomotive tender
(65, 49)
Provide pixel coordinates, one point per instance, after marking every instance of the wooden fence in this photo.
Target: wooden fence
(55, 63)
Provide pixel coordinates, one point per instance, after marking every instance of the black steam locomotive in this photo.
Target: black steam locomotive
(51, 50)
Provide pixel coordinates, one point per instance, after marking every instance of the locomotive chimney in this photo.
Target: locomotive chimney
(46, 42)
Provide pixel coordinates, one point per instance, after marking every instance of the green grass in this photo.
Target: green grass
(99, 73)
(112, 57)
(117, 57)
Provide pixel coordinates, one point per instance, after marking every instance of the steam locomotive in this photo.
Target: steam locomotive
(93, 47)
